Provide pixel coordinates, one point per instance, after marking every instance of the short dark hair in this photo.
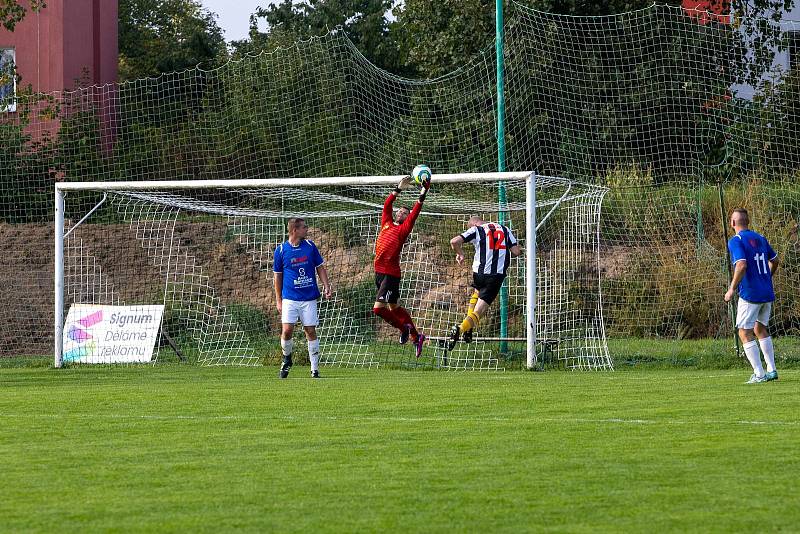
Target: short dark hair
(743, 213)
(404, 208)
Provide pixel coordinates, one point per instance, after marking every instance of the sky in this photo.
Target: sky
(234, 15)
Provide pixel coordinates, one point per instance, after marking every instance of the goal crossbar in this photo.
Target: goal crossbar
(281, 182)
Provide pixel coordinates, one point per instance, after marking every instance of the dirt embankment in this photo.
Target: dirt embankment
(116, 263)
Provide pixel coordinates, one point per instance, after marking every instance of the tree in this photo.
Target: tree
(158, 36)
(441, 36)
(758, 22)
(12, 13)
(366, 23)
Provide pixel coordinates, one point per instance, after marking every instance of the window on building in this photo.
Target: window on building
(8, 80)
(794, 50)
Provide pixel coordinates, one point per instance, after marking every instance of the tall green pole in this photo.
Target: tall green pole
(501, 99)
(723, 218)
(501, 159)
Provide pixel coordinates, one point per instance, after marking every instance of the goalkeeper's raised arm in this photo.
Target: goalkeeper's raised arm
(412, 216)
(386, 215)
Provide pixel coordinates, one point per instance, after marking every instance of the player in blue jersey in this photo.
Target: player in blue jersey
(755, 262)
(297, 262)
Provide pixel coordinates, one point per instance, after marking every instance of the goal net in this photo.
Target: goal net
(196, 260)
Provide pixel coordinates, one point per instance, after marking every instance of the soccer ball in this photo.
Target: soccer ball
(420, 174)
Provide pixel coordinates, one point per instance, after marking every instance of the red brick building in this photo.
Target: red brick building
(68, 40)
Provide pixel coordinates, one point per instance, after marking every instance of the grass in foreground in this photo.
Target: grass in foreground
(181, 448)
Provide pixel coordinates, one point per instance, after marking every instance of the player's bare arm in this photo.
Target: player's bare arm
(277, 280)
(323, 276)
(456, 244)
(738, 274)
(773, 265)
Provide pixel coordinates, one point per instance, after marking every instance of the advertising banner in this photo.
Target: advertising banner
(111, 334)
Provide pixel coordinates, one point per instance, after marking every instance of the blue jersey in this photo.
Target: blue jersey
(299, 267)
(752, 247)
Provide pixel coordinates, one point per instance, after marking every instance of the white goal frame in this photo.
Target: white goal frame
(62, 188)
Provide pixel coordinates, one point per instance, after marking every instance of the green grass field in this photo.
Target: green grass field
(182, 448)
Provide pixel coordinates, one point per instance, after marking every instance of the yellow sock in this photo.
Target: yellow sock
(475, 318)
(472, 301)
(470, 321)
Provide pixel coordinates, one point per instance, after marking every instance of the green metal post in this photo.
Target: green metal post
(700, 233)
(501, 158)
(730, 271)
(501, 99)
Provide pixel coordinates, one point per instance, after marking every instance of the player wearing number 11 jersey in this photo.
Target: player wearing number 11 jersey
(755, 262)
(495, 245)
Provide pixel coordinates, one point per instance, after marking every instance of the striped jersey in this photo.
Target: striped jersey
(492, 243)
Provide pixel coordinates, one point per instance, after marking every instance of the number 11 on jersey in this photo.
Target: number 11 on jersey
(761, 263)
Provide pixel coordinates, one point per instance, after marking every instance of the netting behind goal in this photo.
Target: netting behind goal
(206, 256)
(655, 105)
(647, 104)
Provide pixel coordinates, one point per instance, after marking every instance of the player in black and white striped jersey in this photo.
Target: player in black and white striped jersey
(495, 245)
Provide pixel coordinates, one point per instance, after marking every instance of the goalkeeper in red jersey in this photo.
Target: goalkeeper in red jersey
(391, 238)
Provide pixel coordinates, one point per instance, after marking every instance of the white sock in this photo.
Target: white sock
(754, 356)
(769, 352)
(313, 354)
(287, 345)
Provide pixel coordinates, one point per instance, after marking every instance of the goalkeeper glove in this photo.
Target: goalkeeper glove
(404, 183)
(426, 185)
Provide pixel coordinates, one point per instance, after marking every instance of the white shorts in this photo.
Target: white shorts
(304, 310)
(748, 313)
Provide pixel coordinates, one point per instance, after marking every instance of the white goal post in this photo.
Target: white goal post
(102, 229)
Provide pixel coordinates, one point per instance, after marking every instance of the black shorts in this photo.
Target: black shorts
(488, 285)
(388, 288)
